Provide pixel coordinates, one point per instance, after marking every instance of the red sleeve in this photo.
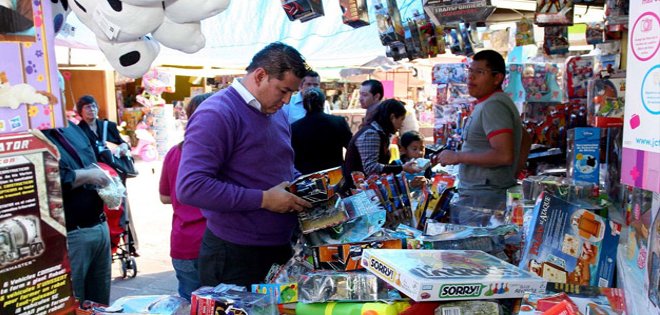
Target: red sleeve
(499, 131)
(164, 184)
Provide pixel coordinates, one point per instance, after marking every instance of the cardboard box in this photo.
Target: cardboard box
(445, 275)
(569, 244)
(346, 257)
(280, 292)
(355, 13)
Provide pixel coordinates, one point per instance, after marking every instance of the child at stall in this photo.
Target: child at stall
(411, 146)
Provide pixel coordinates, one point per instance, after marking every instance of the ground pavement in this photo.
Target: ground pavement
(152, 221)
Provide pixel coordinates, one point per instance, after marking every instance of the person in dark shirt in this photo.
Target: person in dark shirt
(318, 139)
(88, 237)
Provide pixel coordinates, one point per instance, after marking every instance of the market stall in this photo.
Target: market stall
(579, 233)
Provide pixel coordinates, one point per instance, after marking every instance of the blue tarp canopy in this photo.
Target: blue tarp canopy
(246, 26)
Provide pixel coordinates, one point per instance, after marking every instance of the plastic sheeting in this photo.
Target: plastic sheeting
(235, 35)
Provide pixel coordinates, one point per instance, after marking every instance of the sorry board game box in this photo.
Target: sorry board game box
(445, 275)
(569, 244)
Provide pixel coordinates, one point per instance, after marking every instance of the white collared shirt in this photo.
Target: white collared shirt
(245, 94)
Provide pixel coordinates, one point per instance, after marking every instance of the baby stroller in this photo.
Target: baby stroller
(122, 240)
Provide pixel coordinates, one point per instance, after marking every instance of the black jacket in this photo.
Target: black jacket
(317, 140)
(112, 135)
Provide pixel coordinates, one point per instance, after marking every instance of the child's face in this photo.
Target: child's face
(414, 150)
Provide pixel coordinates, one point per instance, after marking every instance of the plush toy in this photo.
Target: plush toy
(121, 27)
(185, 37)
(132, 59)
(114, 20)
(14, 95)
(185, 11)
(61, 10)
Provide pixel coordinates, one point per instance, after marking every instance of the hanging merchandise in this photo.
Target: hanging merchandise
(466, 37)
(354, 12)
(388, 18)
(443, 12)
(595, 33)
(555, 41)
(425, 32)
(412, 40)
(554, 12)
(541, 83)
(455, 44)
(513, 85)
(303, 10)
(524, 32)
(579, 70)
(606, 102)
(440, 38)
(497, 40)
(616, 12)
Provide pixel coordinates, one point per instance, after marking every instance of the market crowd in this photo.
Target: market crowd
(234, 216)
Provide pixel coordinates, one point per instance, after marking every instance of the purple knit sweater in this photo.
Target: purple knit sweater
(232, 152)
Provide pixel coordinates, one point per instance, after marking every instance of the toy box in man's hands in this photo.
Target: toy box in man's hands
(318, 189)
(444, 275)
(569, 244)
(346, 257)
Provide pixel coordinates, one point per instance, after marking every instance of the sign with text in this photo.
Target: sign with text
(641, 133)
(444, 12)
(34, 266)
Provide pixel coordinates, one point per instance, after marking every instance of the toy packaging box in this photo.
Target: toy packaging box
(583, 154)
(569, 244)
(445, 275)
(346, 257)
(355, 13)
(606, 101)
(280, 292)
(303, 10)
(578, 300)
(228, 299)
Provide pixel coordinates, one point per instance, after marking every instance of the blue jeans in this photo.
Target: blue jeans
(187, 273)
(90, 257)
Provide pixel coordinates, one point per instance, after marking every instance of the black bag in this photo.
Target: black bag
(124, 165)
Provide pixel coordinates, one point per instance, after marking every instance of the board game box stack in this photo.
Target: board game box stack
(445, 275)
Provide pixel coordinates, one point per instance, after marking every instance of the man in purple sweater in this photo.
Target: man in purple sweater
(236, 162)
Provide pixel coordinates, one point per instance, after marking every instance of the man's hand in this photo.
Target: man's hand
(448, 157)
(411, 167)
(277, 199)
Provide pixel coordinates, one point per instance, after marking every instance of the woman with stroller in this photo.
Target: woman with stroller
(88, 109)
(188, 224)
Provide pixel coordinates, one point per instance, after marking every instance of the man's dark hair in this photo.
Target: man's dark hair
(493, 59)
(409, 137)
(313, 100)
(278, 58)
(375, 87)
(385, 109)
(86, 99)
(312, 73)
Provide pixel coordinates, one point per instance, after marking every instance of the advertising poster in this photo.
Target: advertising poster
(641, 136)
(29, 90)
(34, 268)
